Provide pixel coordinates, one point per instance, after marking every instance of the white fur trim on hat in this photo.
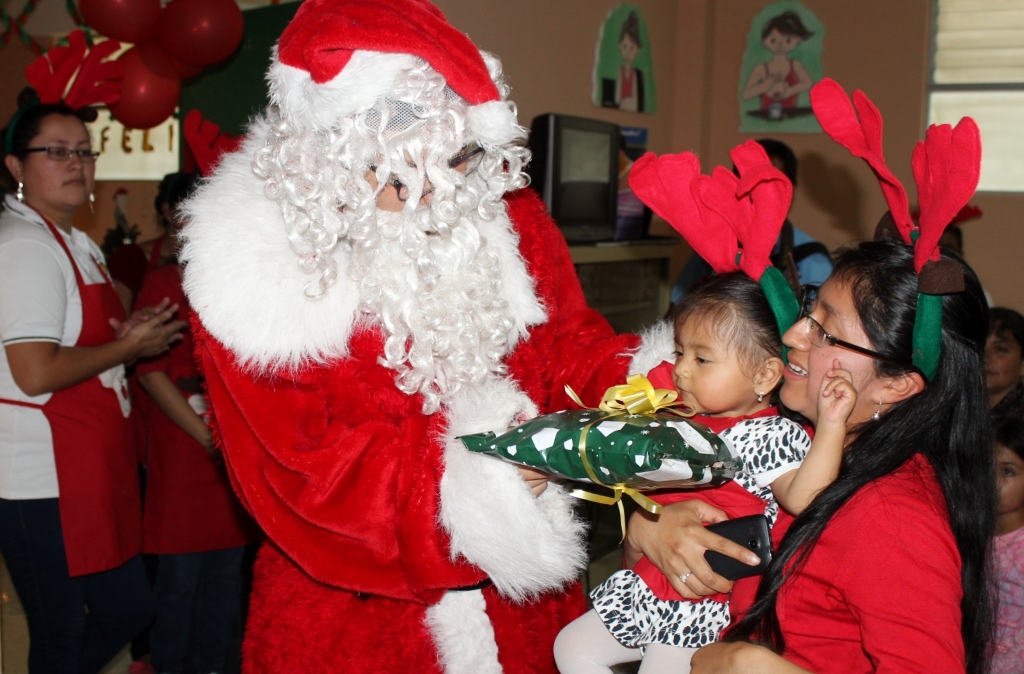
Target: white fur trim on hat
(526, 544)
(365, 80)
(494, 123)
(463, 634)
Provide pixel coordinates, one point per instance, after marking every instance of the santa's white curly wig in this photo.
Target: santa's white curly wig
(425, 275)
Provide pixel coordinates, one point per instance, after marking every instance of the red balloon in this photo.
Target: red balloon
(201, 32)
(150, 89)
(187, 71)
(125, 20)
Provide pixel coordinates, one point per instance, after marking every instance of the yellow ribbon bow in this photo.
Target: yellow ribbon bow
(636, 396)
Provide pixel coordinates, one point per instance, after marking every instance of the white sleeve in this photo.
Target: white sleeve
(768, 447)
(33, 293)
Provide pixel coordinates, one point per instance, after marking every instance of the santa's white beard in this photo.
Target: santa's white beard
(437, 299)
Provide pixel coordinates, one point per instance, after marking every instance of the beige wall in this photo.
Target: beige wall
(547, 50)
(880, 46)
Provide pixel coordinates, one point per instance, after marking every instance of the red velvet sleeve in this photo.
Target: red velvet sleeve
(576, 345)
(339, 468)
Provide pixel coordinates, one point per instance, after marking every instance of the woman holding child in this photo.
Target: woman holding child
(886, 570)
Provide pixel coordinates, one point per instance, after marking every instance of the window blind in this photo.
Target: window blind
(979, 42)
(978, 71)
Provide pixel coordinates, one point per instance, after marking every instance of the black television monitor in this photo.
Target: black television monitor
(575, 168)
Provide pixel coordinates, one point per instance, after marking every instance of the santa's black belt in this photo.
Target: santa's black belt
(486, 582)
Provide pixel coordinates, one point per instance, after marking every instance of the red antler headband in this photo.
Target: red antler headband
(73, 73)
(946, 166)
(206, 142)
(732, 222)
(76, 74)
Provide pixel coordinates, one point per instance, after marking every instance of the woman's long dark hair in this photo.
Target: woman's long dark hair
(25, 124)
(947, 422)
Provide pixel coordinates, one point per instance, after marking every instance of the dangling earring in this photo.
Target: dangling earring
(760, 396)
(878, 413)
(92, 202)
(21, 192)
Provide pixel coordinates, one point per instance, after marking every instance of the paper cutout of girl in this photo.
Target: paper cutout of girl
(773, 94)
(779, 80)
(623, 74)
(629, 85)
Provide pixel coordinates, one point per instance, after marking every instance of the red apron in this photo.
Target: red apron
(190, 506)
(94, 448)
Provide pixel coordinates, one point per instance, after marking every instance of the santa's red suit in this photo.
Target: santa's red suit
(391, 548)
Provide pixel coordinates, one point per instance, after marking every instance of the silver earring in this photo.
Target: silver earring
(21, 192)
(878, 413)
(92, 202)
(760, 396)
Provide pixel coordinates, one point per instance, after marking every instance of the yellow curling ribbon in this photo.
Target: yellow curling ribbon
(636, 396)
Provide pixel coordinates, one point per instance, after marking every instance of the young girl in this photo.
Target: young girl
(1009, 546)
(728, 365)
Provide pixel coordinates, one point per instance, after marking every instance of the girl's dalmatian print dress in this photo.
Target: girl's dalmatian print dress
(767, 447)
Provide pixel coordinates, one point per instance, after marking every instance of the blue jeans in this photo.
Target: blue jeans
(75, 625)
(208, 583)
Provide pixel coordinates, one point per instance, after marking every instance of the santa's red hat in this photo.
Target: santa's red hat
(339, 57)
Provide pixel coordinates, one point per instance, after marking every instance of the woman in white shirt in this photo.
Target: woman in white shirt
(70, 525)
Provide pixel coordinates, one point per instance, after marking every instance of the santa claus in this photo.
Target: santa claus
(372, 281)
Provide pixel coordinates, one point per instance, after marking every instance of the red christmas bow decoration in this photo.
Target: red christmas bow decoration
(92, 80)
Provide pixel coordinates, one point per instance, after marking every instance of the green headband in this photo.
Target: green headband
(782, 300)
(15, 120)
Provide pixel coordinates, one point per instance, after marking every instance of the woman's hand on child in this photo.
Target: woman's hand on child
(838, 396)
(675, 542)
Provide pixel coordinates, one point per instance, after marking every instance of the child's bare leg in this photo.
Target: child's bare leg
(585, 646)
(664, 659)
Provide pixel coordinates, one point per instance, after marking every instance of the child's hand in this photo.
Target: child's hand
(838, 396)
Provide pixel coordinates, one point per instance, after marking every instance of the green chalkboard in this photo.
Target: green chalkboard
(230, 93)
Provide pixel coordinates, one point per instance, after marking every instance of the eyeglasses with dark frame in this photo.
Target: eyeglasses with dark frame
(466, 161)
(58, 153)
(818, 337)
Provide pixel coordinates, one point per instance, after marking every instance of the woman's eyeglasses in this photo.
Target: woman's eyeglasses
(465, 162)
(818, 337)
(57, 153)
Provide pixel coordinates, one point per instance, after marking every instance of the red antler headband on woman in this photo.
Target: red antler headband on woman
(75, 74)
(206, 142)
(732, 222)
(946, 164)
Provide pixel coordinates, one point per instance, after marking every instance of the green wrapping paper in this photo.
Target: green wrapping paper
(635, 451)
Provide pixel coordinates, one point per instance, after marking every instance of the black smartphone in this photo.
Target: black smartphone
(753, 533)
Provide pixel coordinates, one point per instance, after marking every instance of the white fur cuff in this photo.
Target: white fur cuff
(463, 634)
(656, 345)
(526, 544)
